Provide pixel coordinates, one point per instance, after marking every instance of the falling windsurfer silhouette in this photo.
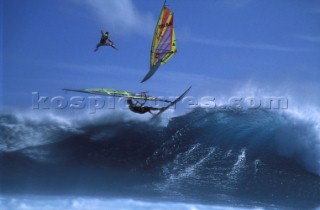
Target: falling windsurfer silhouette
(105, 41)
(139, 107)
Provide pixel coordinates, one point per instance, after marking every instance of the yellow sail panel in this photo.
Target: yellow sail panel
(164, 42)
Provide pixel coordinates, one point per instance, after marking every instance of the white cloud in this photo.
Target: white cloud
(236, 3)
(256, 46)
(316, 11)
(309, 38)
(120, 16)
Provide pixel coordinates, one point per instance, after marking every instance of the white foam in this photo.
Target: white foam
(302, 108)
(86, 203)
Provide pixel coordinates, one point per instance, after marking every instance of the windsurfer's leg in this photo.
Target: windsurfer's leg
(151, 113)
(97, 47)
(159, 109)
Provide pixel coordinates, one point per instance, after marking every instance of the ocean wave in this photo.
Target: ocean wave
(249, 154)
(261, 132)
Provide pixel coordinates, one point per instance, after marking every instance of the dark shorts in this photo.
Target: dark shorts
(102, 41)
(140, 110)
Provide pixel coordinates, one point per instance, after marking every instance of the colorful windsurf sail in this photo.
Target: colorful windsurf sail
(118, 93)
(164, 42)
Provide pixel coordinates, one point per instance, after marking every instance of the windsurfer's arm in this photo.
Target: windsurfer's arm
(142, 103)
(145, 98)
(139, 103)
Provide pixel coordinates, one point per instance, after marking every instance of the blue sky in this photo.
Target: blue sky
(48, 45)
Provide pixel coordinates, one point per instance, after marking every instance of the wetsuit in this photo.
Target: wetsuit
(104, 38)
(142, 109)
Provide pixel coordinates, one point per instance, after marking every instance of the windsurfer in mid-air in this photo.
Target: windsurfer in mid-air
(138, 107)
(105, 41)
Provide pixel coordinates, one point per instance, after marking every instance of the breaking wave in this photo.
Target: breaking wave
(206, 155)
